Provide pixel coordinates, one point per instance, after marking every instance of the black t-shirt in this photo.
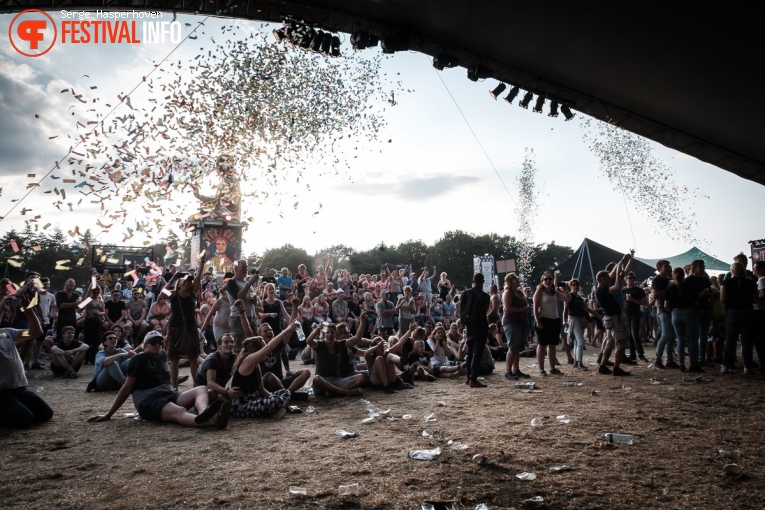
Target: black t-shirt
(607, 302)
(181, 307)
(222, 370)
(247, 384)
(61, 345)
(659, 284)
(699, 284)
(575, 307)
(739, 293)
(273, 362)
(114, 310)
(274, 322)
(149, 371)
(328, 363)
(630, 307)
(68, 315)
(677, 299)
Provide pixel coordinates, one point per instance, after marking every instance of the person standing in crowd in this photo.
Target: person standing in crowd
(680, 301)
(515, 311)
(698, 279)
(474, 305)
(575, 313)
(548, 320)
(634, 299)
(241, 287)
(426, 285)
(182, 333)
(667, 333)
(758, 315)
(148, 382)
(67, 302)
(444, 286)
(615, 338)
(94, 318)
(19, 406)
(738, 293)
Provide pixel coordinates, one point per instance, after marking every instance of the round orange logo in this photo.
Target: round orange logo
(32, 33)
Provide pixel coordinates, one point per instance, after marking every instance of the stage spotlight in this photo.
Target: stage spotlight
(362, 39)
(553, 109)
(306, 38)
(478, 72)
(539, 104)
(326, 44)
(512, 94)
(317, 40)
(526, 100)
(567, 112)
(444, 60)
(392, 44)
(335, 46)
(498, 90)
(280, 34)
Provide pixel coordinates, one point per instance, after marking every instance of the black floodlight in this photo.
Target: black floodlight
(317, 40)
(539, 104)
(307, 37)
(498, 90)
(478, 72)
(361, 39)
(444, 60)
(567, 112)
(335, 46)
(326, 44)
(393, 43)
(553, 109)
(526, 100)
(512, 94)
(280, 34)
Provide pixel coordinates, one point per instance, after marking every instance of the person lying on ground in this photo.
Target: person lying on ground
(148, 381)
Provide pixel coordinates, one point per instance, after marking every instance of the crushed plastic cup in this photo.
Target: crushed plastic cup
(560, 469)
(129, 415)
(298, 491)
(424, 454)
(441, 403)
(481, 506)
(563, 418)
(479, 458)
(626, 388)
(426, 434)
(438, 505)
(431, 418)
(349, 490)
(310, 409)
(534, 502)
(617, 438)
(369, 420)
(459, 446)
(536, 422)
(526, 476)
(406, 417)
(345, 434)
(572, 383)
(525, 385)
(40, 389)
(734, 455)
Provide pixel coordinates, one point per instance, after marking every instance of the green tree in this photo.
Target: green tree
(285, 256)
(414, 253)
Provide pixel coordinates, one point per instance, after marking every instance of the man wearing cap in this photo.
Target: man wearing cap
(474, 305)
(241, 287)
(386, 310)
(148, 381)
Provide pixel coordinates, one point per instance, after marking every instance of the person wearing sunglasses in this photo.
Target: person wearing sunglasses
(548, 320)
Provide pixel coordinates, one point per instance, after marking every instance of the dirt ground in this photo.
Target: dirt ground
(679, 428)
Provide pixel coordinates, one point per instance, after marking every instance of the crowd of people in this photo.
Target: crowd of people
(243, 336)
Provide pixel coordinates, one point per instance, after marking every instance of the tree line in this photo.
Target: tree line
(452, 253)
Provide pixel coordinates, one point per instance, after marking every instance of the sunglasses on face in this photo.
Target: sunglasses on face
(546, 279)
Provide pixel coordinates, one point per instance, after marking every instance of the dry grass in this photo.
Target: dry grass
(674, 463)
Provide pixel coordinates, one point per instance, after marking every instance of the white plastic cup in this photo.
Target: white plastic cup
(348, 490)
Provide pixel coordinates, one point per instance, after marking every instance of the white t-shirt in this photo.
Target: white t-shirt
(760, 286)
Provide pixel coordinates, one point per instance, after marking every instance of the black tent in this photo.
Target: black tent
(592, 257)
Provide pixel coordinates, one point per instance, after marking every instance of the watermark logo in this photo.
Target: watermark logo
(32, 33)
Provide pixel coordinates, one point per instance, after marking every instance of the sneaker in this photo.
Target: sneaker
(682, 367)
(477, 384)
(210, 411)
(629, 361)
(604, 370)
(521, 374)
(511, 376)
(696, 368)
(73, 375)
(221, 421)
(408, 375)
(401, 385)
(91, 387)
(182, 379)
(672, 364)
(542, 372)
(643, 358)
(67, 375)
(724, 369)
(556, 371)
(37, 366)
(355, 392)
(618, 372)
(581, 367)
(748, 371)
(658, 364)
(600, 358)
(388, 389)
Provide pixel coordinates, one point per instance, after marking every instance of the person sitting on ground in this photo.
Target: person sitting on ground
(159, 313)
(216, 370)
(19, 406)
(148, 381)
(68, 354)
(256, 400)
(108, 374)
(381, 367)
(440, 364)
(329, 353)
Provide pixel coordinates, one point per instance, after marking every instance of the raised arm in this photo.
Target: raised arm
(120, 399)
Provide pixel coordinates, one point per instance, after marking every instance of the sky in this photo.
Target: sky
(431, 170)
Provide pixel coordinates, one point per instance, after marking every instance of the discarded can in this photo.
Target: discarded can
(348, 490)
(617, 438)
(526, 476)
(345, 434)
(424, 454)
(301, 491)
(560, 469)
(479, 458)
